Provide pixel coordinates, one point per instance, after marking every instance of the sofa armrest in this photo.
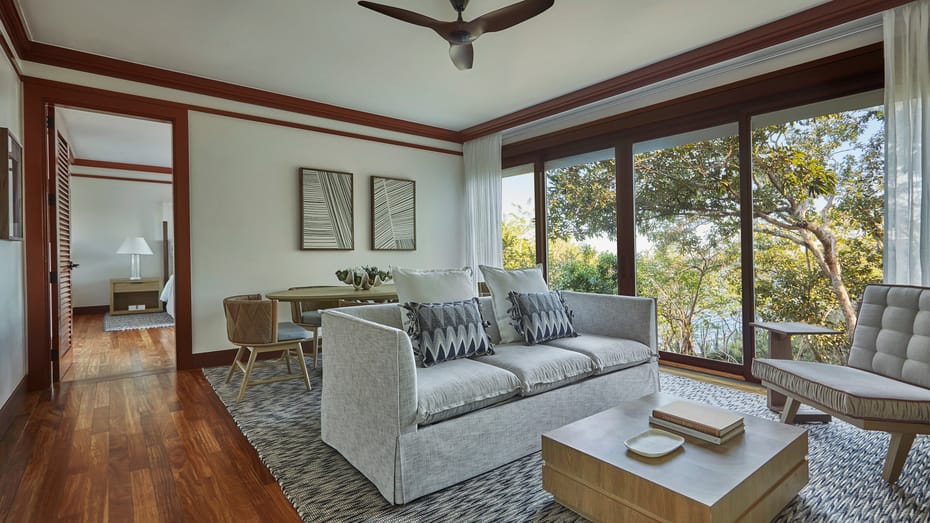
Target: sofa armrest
(370, 373)
(369, 394)
(630, 317)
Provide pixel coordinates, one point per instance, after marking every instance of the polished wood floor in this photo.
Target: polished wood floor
(132, 440)
(99, 354)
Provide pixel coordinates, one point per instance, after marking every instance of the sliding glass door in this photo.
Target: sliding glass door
(687, 193)
(581, 222)
(817, 176)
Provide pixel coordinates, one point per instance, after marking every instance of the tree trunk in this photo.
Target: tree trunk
(828, 259)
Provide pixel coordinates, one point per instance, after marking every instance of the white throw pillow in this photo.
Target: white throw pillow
(500, 283)
(432, 286)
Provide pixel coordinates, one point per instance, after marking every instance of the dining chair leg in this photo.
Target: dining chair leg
(248, 374)
(287, 359)
(303, 366)
(316, 337)
(232, 367)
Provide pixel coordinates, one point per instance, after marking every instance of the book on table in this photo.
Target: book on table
(709, 420)
(681, 429)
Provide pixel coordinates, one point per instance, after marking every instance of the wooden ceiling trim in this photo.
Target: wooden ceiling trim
(81, 61)
(853, 71)
(313, 128)
(249, 117)
(806, 22)
(119, 178)
(102, 164)
(800, 24)
(15, 28)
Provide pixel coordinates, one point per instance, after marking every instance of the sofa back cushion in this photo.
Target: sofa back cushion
(389, 314)
(892, 335)
(432, 286)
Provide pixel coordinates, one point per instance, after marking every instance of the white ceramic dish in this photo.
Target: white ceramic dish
(654, 443)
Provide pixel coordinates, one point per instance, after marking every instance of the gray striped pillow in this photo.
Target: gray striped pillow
(540, 316)
(446, 331)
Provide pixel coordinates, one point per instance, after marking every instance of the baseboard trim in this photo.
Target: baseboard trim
(13, 406)
(92, 309)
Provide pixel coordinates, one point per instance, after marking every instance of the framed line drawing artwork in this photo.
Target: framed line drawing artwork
(393, 214)
(11, 187)
(326, 210)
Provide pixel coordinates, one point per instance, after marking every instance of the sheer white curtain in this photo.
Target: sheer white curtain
(907, 171)
(483, 244)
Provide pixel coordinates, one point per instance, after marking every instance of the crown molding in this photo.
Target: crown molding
(800, 24)
(102, 164)
(53, 55)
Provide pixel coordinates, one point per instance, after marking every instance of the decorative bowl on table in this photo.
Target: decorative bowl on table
(363, 278)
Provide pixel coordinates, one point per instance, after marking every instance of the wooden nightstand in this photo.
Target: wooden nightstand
(125, 293)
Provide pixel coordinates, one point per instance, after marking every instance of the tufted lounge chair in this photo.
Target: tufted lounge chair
(884, 386)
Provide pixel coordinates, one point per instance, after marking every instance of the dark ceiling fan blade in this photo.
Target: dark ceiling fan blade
(463, 56)
(404, 15)
(511, 15)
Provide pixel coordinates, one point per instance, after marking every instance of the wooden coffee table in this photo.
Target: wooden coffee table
(750, 478)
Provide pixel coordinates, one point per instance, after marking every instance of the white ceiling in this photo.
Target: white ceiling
(336, 52)
(111, 138)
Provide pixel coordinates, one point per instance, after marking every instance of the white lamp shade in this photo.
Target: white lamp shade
(134, 245)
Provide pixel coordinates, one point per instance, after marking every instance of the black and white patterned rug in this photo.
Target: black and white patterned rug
(845, 466)
(128, 322)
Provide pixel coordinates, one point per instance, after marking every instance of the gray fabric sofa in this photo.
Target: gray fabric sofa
(413, 431)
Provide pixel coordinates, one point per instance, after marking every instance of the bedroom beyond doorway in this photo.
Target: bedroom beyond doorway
(115, 244)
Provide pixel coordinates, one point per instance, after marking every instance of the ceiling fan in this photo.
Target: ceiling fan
(460, 34)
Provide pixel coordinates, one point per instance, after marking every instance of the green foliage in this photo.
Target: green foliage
(518, 240)
(590, 271)
(581, 201)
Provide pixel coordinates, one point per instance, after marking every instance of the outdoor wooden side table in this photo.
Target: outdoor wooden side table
(780, 333)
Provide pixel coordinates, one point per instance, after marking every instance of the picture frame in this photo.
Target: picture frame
(11, 187)
(327, 220)
(393, 214)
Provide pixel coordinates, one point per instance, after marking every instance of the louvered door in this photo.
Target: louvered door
(60, 259)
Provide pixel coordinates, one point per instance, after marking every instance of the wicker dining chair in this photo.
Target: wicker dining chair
(252, 324)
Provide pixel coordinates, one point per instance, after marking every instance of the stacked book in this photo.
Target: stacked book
(700, 421)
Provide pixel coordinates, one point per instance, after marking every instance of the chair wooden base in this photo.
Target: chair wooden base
(902, 433)
(254, 351)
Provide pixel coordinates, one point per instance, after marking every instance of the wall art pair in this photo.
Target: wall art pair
(327, 212)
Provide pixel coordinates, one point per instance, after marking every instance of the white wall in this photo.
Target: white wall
(245, 211)
(12, 301)
(103, 214)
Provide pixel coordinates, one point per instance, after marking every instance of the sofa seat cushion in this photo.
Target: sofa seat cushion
(314, 318)
(459, 386)
(608, 353)
(540, 367)
(846, 390)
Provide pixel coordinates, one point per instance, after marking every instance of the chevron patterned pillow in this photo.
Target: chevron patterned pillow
(446, 331)
(541, 316)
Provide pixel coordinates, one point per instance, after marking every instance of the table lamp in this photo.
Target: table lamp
(135, 247)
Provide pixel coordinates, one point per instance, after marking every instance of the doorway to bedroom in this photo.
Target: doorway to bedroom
(115, 236)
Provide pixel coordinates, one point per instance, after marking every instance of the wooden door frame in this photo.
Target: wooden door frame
(37, 94)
